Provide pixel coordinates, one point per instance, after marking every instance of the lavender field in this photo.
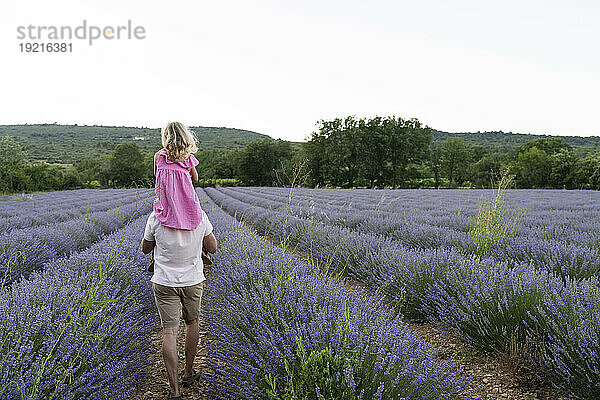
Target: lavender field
(534, 293)
(77, 311)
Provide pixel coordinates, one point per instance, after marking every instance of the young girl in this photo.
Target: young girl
(176, 204)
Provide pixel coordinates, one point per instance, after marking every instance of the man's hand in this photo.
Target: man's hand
(210, 243)
(147, 246)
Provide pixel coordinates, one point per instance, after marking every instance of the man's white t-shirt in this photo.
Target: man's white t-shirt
(177, 253)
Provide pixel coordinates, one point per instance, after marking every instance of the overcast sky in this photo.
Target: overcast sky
(277, 67)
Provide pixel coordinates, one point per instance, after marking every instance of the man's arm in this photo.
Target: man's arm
(210, 243)
(147, 246)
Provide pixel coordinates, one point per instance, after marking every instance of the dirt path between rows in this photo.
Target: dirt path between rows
(157, 386)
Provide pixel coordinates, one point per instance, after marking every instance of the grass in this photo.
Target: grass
(493, 221)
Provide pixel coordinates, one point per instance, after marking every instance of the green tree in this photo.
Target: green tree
(336, 148)
(313, 151)
(104, 171)
(532, 168)
(217, 164)
(478, 152)
(43, 177)
(148, 163)
(380, 150)
(14, 178)
(345, 145)
(258, 162)
(70, 179)
(126, 165)
(435, 162)
(487, 169)
(564, 168)
(547, 145)
(89, 168)
(11, 151)
(372, 146)
(455, 158)
(407, 142)
(544, 163)
(587, 175)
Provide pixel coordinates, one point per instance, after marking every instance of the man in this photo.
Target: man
(178, 282)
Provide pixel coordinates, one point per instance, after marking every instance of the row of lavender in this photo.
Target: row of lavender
(78, 205)
(23, 251)
(80, 329)
(552, 322)
(286, 330)
(572, 213)
(23, 204)
(20, 203)
(438, 202)
(568, 246)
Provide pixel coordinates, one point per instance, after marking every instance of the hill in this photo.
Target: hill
(507, 142)
(69, 143)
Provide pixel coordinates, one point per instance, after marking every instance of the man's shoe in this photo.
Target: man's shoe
(188, 380)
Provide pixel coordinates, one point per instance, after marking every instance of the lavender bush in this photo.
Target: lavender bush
(571, 320)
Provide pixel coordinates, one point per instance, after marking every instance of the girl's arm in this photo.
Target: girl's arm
(194, 174)
(155, 158)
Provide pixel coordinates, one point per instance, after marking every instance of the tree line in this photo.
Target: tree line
(378, 152)
(261, 163)
(394, 152)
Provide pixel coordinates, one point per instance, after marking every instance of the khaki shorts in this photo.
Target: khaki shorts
(173, 302)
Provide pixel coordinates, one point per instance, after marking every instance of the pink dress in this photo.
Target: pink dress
(176, 204)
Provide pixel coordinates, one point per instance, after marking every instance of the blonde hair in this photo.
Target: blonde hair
(179, 141)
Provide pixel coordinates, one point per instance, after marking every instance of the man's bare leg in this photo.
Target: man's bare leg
(191, 346)
(171, 358)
